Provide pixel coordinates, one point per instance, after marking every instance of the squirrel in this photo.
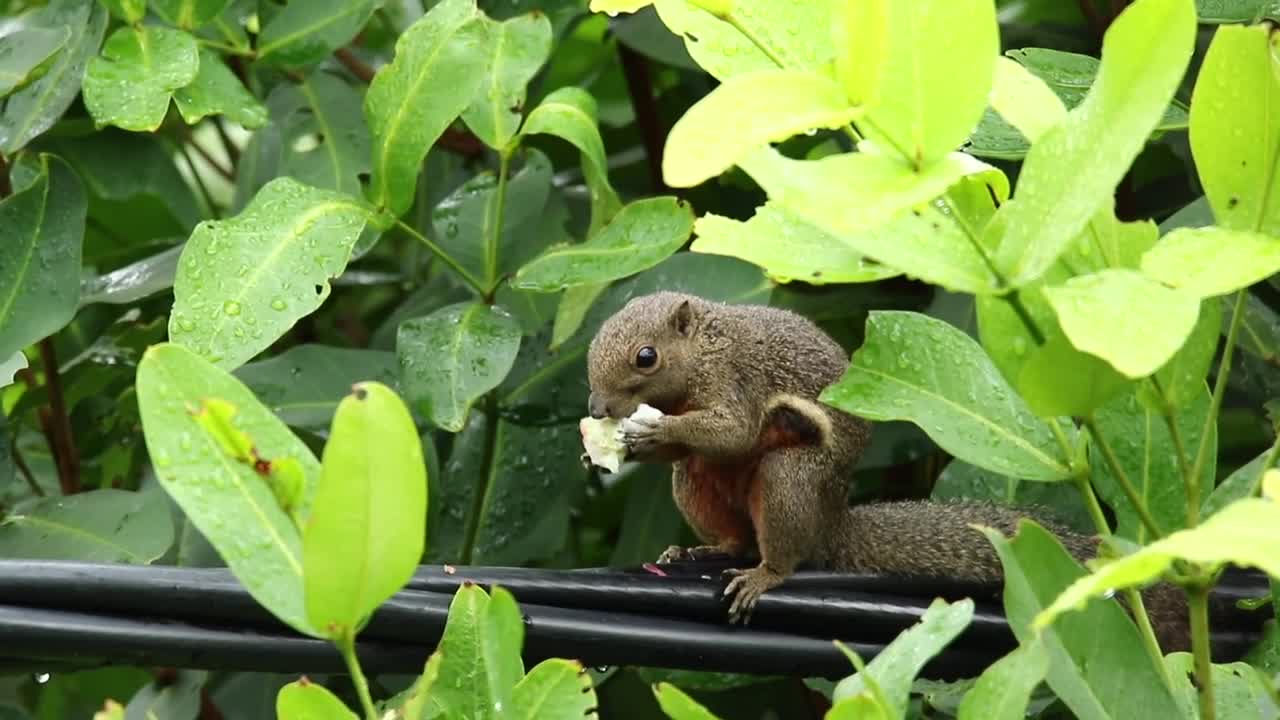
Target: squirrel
(760, 466)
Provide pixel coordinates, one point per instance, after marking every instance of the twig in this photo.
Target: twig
(65, 456)
(640, 87)
(1215, 405)
(444, 256)
(6, 188)
(233, 152)
(213, 162)
(195, 175)
(25, 469)
(358, 67)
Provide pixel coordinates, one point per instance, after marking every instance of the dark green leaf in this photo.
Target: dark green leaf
(439, 63)
(228, 500)
(40, 258)
(323, 140)
(178, 698)
(217, 91)
(304, 32)
(113, 526)
(1004, 689)
(913, 367)
(1235, 11)
(519, 47)
(27, 54)
(189, 14)
(1088, 650)
(1239, 691)
(36, 107)
(1242, 483)
(304, 384)
(679, 706)
(1181, 380)
(130, 84)
(133, 282)
(244, 281)
(640, 236)
(364, 537)
(651, 522)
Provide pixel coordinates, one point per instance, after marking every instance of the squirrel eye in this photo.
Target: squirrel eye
(646, 357)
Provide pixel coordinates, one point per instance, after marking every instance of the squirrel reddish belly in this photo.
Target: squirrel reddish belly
(760, 467)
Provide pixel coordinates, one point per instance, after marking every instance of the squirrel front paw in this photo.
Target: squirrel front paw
(644, 435)
(746, 587)
(676, 553)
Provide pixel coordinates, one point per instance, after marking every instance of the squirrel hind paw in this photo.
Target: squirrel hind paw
(746, 587)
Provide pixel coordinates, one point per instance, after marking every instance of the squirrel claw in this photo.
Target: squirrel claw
(746, 587)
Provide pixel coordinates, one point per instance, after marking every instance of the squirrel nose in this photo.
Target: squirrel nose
(598, 408)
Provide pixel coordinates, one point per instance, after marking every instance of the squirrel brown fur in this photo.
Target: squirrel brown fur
(760, 466)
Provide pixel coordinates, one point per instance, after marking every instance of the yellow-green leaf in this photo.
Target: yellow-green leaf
(1212, 260)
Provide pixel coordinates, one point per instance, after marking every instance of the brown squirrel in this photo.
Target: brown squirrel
(760, 466)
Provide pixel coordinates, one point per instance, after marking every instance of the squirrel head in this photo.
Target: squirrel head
(644, 353)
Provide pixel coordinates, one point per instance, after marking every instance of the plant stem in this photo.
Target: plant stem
(1255, 487)
(208, 158)
(358, 67)
(1215, 405)
(1139, 505)
(195, 175)
(1092, 505)
(444, 256)
(66, 457)
(635, 70)
(347, 646)
(25, 470)
(1198, 605)
(1179, 449)
(233, 152)
(496, 216)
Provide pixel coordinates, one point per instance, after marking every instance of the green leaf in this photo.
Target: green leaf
(795, 33)
(1125, 318)
(1024, 100)
(896, 666)
(746, 112)
(651, 522)
(860, 35)
(1060, 381)
(189, 14)
(228, 501)
(572, 310)
(817, 190)
(482, 641)
(27, 54)
(40, 257)
(1004, 689)
(1140, 439)
(112, 526)
(130, 84)
(1243, 533)
(1088, 651)
(415, 702)
(1144, 55)
(33, 109)
(786, 247)
(244, 281)
(304, 384)
(1233, 130)
(1242, 483)
(1239, 690)
(130, 11)
(305, 700)
(554, 689)
(303, 33)
(175, 697)
(368, 520)
(960, 480)
(217, 91)
(569, 113)
(679, 706)
(440, 61)
(1215, 12)
(519, 47)
(640, 236)
(325, 142)
(1181, 380)
(1212, 260)
(451, 357)
(913, 367)
(930, 110)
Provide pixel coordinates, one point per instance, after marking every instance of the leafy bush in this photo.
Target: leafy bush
(305, 289)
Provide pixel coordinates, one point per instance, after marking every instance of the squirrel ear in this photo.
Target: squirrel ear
(682, 318)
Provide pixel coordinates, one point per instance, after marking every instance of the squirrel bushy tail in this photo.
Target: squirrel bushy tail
(925, 538)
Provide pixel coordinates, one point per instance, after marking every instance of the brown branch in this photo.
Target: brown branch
(233, 152)
(65, 456)
(213, 163)
(6, 188)
(636, 71)
(1095, 20)
(25, 469)
(358, 67)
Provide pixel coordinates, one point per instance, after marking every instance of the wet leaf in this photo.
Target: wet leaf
(1212, 260)
(451, 357)
(1239, 691)
(130, 83)
(189, 14)
(323, 140)
(1024, 100)
(40, 257)
(795, 33)
(1060, 381)
(27, 54)
(130, 11)
(1072, 170)
(786, 247)
(745, 113)
(33, 109)
(305, 700)
(439, 62)
(519, 48)
(133, 282)
(554, 689)
(1004, 689)
(105, 526)
(679, 706)
(217, 91)
(1182, 379)
(1125, 318)
(482, 641)
(913, 367)
(305, 32)
(1088, 651)
(244, 281)
(640, 236)
(304, 384)
(228, 501)
(365, 534)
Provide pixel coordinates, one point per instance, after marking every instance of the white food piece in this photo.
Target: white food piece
(602, 438)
